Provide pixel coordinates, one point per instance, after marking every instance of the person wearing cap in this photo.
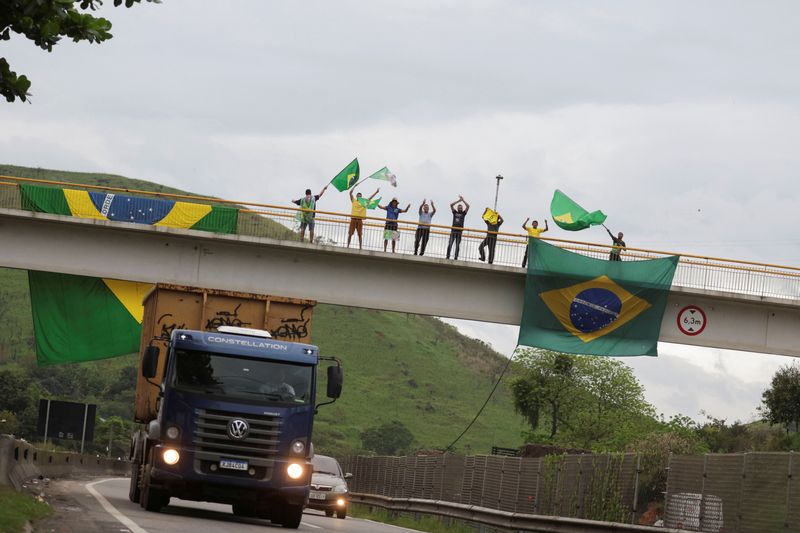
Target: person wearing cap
(308, 204)
(534, 231)
(390, 230)
(424, 226)
(357, 215)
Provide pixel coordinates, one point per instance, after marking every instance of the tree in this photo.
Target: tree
(589, 402)
(45, 22)
(391, 438)
(781, 401)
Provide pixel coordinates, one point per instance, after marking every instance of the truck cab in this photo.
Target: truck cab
(235, 413)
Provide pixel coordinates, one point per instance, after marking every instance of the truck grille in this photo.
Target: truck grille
(212, 442)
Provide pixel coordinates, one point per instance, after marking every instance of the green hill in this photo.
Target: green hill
(414, 369)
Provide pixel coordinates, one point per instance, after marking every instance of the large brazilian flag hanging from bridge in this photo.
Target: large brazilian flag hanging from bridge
(124, 208)
(79, 318)
(581, 305)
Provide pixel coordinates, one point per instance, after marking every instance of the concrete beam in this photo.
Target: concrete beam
(333, 275)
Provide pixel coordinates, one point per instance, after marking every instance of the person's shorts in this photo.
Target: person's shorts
(356, 224)
(307, 224)
(391, 235)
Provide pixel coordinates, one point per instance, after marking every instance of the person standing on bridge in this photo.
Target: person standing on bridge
(491, 239)
(424, 226)
(617, 247)
(533, 233)
(459, 208)
(308, 204)
(357, 216)
(390, 229)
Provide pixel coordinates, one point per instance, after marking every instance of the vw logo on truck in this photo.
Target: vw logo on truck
(238, 428)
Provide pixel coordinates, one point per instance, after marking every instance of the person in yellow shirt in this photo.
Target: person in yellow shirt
(534, 231)
(357, 216)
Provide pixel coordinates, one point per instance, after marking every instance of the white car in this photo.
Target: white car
(329, 491)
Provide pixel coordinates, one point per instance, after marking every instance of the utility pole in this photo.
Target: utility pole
(497, 190)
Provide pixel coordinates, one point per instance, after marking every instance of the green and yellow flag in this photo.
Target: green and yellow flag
(581, 305)
(570, 216)
(348, 176)
(125, 208)
(78, 318)
(369, 204)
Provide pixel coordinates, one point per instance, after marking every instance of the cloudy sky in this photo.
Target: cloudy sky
(678, 119)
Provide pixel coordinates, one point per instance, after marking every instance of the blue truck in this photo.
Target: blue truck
(232, 423)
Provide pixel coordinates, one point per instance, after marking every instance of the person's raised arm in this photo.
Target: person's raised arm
(454, 204)
(466, 204)
(499, 220)
(376, 192)
(325, 188)
(382, 207)
(420, 206)
(525, 224)
(545, 226)
(433, 208)
(350, 192)
(406, 209)
(609, 233)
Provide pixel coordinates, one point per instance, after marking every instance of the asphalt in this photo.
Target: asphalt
(102, 506)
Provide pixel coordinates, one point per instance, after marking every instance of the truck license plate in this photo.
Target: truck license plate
(314, 495)
(233, 464)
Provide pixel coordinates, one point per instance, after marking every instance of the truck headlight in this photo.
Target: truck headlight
(340, 488)
(294, 470)
(171, 456)
(298, 447)
(340, 502)
(173, 432)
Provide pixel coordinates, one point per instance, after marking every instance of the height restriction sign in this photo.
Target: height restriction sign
(691, 320)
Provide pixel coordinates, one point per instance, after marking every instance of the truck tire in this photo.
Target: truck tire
(244, 510)
(152, 498)
(329, 512)
(341, 513)
(135, 492)
(291, 515)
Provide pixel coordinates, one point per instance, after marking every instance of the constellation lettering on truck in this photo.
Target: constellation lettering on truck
(245, 342)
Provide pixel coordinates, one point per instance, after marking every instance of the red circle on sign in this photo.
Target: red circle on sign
(702, 326)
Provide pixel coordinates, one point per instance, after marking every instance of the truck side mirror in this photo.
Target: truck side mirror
(348, 476)
(150, 362)
(335, 377)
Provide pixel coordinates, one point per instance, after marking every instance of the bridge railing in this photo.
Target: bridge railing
(333, 229)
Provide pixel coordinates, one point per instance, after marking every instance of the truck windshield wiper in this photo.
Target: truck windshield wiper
(269, 395)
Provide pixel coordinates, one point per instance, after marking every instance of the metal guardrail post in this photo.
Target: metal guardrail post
(636, 487)
(702, 516)
(788, 490)
(740, 516)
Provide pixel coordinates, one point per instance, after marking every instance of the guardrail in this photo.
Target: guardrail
(21, 461)
(333, 228)
(499, 519)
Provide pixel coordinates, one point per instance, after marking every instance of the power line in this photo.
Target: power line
(499, 379)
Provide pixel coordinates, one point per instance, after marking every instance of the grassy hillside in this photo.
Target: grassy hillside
(410, 368)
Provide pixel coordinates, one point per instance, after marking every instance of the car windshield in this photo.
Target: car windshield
(243, 377)
(326, 465)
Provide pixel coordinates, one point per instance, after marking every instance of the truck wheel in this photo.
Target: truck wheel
(135, 491)
(341, 513)
(291, 516)
(244, 510)
(152, 499)
(329, 512)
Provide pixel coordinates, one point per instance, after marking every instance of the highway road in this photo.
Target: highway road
(101, 506)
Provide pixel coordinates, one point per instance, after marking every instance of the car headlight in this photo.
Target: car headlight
(171, 456)
(298, 447)
(340, 488)
(173, 432)
(341, 502)
(294, 470)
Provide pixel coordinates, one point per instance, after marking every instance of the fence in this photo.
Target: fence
(735, 493)
(592, 486)
(331, 228)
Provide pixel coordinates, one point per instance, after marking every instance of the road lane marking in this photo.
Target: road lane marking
(110, 509)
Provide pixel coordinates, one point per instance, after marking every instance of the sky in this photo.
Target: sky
(678, 119)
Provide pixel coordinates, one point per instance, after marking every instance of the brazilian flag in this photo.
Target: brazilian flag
(581, 305)
(347, 177)
(79, 318)
(124, 208)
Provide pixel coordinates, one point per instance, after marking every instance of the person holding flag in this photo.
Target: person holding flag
(390, 229)
(424, 227)
(357, 215)
(534, 231)
(616, 247)
(493, 222)
(308, 204)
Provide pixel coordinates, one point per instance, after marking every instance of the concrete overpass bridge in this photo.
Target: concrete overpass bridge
(713, 302)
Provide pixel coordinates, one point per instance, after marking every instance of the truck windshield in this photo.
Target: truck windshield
(243, 377)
